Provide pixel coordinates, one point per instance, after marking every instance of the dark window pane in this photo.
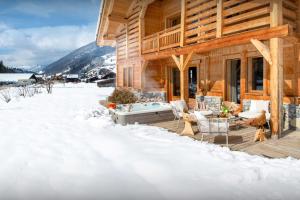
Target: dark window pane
(130, 77)
(125, 77)
(192, 82)
(258, 73)
(176, 82)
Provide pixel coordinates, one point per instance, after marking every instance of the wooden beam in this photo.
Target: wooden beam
(182, 25)
(276, 85)
(182, 63)
(118, 19)
(219, 24)
(187, 60)
(243, 38)
(263, 49)
(276, 71)
(243, 82)
(298, 17)
(177, 61)
(276, 13)
(127, 35)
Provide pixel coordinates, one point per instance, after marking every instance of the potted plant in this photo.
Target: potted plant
(224, 111)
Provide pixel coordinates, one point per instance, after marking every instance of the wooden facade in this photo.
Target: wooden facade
(179, 46)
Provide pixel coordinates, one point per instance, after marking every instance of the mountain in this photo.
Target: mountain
(4, 69)
(39, 69)
(89, 59)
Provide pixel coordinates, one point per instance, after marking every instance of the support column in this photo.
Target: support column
(243, 74)
(276, 85)
(182, 25)
(276, 71)
(182, 64)
(219, 18)
(298, 17)
(183, 85)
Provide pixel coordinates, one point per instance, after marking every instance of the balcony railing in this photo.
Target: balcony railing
(168, 38)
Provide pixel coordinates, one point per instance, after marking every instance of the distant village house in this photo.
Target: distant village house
(17, 78)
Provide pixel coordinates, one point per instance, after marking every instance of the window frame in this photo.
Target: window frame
(249, 76)
(171, 17)
(128, 77)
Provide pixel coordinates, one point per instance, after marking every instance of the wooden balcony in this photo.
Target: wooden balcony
(211, 22)
(168, 38)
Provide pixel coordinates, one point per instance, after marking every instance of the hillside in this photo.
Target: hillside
(86, 60)
(4, 69)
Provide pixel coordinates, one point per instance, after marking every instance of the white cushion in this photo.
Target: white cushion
(206, 112)
(173, 104)
(180, 105)
(202, 121)
(252, 107)
(250, 115)
(259, 105)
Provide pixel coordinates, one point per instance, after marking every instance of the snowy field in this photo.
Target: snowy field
(64, 146)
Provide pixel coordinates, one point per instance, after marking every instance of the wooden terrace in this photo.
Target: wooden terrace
(241, 139)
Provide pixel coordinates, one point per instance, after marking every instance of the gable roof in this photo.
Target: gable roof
(15, 77)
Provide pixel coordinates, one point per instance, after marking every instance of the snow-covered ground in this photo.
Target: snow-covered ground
(64, 146)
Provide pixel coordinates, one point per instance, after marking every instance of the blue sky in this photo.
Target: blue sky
(38, 32)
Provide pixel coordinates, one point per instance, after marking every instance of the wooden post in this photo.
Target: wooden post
(219, 18)
(276, 71)
(276, 85)
(243, 74)
(265, 78)
(126, 41)
(183, 85)
(182, 64)
(298, 16)
(141, 34)
(182, 25)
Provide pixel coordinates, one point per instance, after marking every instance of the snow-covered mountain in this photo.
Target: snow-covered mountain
(87, 61)
(39, 69)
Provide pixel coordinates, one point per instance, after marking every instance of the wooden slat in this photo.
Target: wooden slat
(247, 15)
(247, 25)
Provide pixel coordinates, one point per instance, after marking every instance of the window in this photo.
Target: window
(176, 81)
(256, 73)
(173, 21)
(128, 77)
(125, 80)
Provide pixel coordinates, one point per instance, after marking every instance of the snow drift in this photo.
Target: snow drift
(64, 146)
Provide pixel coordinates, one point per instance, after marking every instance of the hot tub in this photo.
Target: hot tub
(143, 113)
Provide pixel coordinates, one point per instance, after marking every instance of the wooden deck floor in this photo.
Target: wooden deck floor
(242, 140)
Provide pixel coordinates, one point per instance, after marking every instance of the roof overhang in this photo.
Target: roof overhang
(112, 16)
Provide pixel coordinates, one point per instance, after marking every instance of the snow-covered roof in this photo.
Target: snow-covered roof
(72, 76)
(14, 77)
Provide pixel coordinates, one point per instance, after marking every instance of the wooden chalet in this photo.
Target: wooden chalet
(234, 49)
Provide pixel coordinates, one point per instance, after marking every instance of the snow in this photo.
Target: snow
(64, 146)
(14, 77)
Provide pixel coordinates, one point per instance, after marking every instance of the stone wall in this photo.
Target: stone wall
(213, 102)
(151, 96)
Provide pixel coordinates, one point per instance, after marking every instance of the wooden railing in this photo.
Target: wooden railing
(168, 38)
